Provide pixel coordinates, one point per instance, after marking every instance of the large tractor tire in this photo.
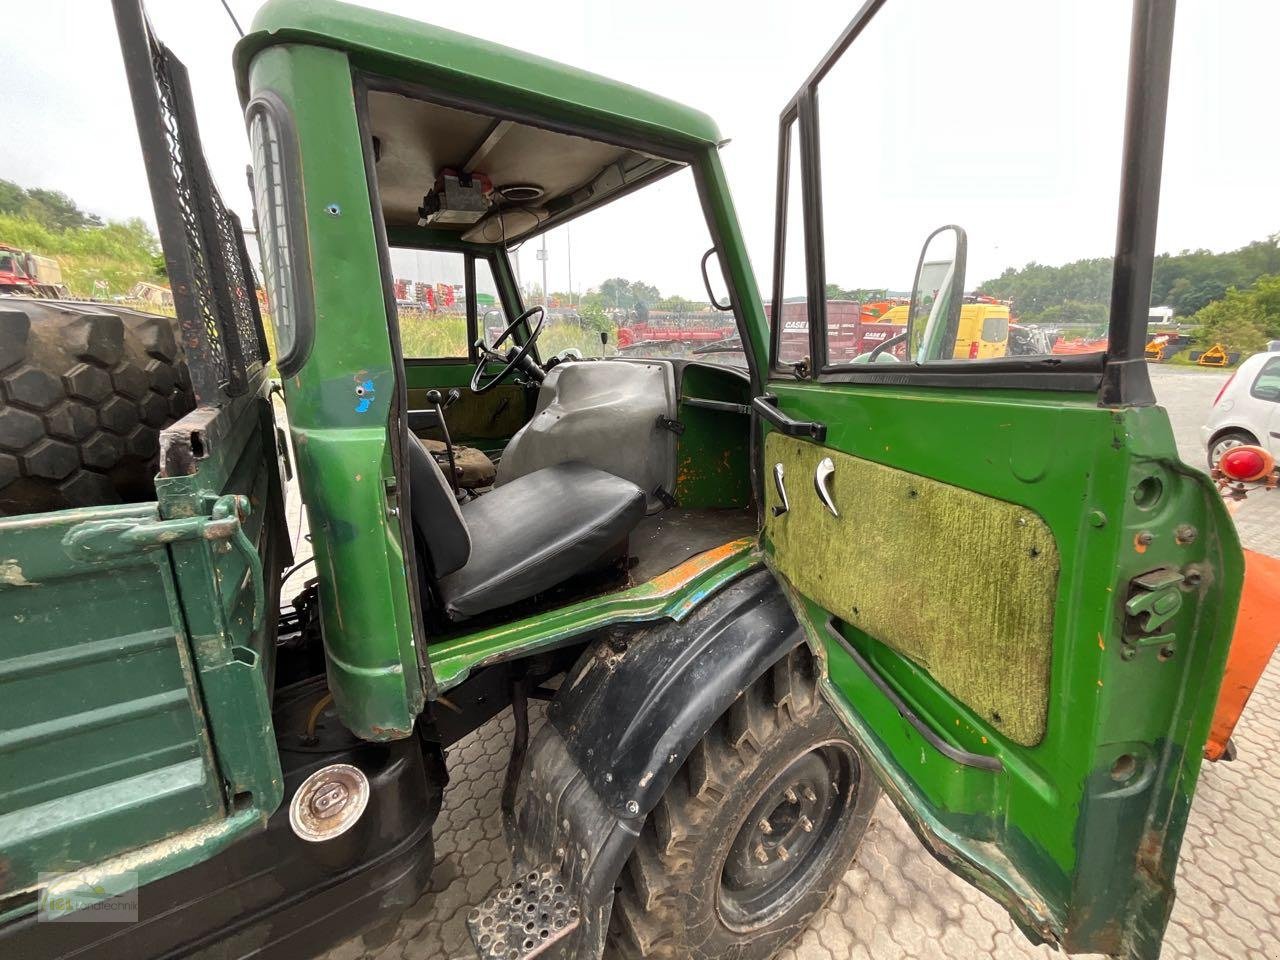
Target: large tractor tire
(85, 389)
(753, 834)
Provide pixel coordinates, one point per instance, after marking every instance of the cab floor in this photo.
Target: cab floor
(667, 539)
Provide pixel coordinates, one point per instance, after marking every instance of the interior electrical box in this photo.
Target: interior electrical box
(456, 197)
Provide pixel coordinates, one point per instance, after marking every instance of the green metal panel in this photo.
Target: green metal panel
(467, 66)
(103, 747)
(345, 470)
(135, 730)
(1078, 835)
(713, 455)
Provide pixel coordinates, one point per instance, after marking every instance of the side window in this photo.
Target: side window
(280, 241)
(1267, 384)
(918, 129)
(431, 301)
(613, 287)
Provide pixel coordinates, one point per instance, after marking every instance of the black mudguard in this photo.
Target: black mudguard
(623, 723)
(630, 714)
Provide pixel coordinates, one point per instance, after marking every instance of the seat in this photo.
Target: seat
(520, 539)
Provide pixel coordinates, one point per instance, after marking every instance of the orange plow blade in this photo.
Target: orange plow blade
(1256, 636)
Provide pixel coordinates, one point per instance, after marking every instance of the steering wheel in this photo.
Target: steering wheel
(513, 358)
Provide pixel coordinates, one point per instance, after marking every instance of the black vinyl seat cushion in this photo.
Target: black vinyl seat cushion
(521, 538)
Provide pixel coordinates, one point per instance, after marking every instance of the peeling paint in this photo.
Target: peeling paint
(11, 574)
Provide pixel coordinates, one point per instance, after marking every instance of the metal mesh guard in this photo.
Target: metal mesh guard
(525, 917)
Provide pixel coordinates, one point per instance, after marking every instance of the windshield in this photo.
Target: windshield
(626, 280)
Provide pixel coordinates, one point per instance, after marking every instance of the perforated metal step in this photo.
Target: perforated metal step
(525, 917)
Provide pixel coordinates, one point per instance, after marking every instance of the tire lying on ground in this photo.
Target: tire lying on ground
(85, 389)
(753, 834)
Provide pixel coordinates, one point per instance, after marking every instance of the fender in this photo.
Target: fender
(621, 726)
(632, 709)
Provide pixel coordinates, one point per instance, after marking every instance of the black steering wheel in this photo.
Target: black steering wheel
(513, 358)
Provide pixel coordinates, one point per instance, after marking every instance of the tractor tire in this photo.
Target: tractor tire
(754, 832)
(85, 389)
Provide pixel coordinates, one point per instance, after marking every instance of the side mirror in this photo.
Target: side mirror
(933, 318)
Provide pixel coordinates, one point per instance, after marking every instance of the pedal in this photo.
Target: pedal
(525, 917)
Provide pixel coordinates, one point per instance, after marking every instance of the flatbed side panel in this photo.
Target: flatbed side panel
(103, 745)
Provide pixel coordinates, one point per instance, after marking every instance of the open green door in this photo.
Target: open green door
(1024, 596)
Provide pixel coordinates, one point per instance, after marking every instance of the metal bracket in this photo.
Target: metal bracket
(669, 423)
(97, 540)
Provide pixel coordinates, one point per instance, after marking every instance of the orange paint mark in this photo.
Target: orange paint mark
(1101, 645)
(694, 567)
(1255, 639)
(1138, 545)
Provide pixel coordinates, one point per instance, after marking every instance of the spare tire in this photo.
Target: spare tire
(85, 389)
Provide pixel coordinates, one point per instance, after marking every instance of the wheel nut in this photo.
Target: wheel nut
(806, 825)
(810, 795)
(791, 796)
(784, 854)
(765, 826)
(761, 854)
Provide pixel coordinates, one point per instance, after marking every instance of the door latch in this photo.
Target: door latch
(1152, 601)
(97, 540)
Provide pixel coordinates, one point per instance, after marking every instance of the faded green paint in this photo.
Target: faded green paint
(961, 584)
(468, 66)
(1076, 855)
(672, 595)
(713, 455)
(344, 463)
(137, 728)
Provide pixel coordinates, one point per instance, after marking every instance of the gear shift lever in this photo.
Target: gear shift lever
(437, 401)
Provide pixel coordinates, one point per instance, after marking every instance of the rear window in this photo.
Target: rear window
(1267, 384)
(995, 329)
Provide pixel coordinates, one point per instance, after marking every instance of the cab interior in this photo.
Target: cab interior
(543, 474)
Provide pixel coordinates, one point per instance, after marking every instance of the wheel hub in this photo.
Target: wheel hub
(782, 842)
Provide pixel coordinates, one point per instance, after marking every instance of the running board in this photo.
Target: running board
(568, 849)
(524, 918)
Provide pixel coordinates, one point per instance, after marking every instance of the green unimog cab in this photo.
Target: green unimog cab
(756, 588)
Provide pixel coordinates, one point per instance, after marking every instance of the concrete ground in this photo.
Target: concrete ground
(896, 901)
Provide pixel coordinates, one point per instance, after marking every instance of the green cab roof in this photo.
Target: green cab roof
(455, 63)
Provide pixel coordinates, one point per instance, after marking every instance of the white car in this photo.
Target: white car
(1247, 408)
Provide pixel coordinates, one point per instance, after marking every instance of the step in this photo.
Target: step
(525, 917)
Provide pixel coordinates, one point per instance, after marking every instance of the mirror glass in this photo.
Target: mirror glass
(931, 328)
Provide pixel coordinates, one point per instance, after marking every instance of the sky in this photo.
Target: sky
(1006, 121)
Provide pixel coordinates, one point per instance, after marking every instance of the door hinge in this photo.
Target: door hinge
(669, 423)
(97, 540)
(1153, 600)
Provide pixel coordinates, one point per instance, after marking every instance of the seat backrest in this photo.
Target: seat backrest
(437, 520)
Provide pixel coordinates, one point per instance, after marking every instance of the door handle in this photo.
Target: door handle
(778, 474)
(821, 477)
(767, 407)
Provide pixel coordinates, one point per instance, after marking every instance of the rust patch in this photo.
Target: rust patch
(694, 567)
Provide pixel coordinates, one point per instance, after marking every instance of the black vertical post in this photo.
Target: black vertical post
(815, 252)
(1125, 381)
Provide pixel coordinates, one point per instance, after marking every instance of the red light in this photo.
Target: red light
(1246, 463)
(973, 350)
(1223, 390)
